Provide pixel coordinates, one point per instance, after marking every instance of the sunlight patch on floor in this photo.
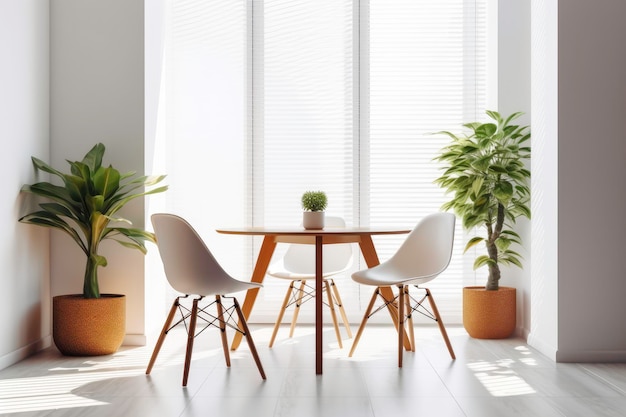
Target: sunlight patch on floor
(52, 392)
(55, 391)
(45, 402)
(499, 379)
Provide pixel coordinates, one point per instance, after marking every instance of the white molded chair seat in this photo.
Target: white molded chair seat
(298, 265)
(191, 269)
(424, 255)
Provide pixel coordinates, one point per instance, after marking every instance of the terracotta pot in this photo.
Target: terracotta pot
(88, 326)
(313, 219)
(489, 314)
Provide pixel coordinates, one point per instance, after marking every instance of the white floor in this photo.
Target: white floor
(488, 378)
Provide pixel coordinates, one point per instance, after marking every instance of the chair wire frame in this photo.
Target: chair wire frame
(306, 292)
(409, 304)
(231, 317)
(205, 316)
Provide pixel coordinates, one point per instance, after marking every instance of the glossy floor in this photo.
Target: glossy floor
(488, 378)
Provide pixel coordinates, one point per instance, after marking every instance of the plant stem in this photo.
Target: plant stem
(90, 285)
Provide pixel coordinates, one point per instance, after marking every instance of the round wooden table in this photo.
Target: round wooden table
(319, 238)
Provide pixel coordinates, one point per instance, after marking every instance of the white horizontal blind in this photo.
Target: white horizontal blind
(303, 118)
(424, 76)
(205, 117)
(263, 100)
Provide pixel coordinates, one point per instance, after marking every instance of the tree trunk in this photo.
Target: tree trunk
(494, 269)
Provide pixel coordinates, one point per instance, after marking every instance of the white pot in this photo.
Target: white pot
(313, 219)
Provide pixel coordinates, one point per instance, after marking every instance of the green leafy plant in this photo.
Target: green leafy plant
(86, 204)
(314, 201)
(485, 172)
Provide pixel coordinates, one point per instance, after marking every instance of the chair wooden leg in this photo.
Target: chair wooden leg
(442, 328)
(157, 347)
(401, 316)
(342, 311)
(333, 315)
(409, 315)
(281, 313)
(296, 311)
(220, 318)
(365, 318)
(191, 333)
(244, 325)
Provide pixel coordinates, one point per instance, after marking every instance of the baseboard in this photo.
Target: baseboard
(590, 356)
(24, 352)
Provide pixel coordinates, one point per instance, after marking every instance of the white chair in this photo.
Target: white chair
(191, 269)
(424, 255)
(298, 265)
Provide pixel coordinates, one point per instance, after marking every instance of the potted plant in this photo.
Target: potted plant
(314, 203)
(486, 173)
(85, 207)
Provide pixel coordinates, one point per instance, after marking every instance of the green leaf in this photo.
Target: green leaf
(106, 181)
(502, 243)
(80, 170)
(473, 242)
(47, 219)
(486, 130)
(477, 185)
(57, 209)
(93, 158)
(482, 260)
(515, 262)
(42, 166)
(76, 187)
(497, 169)
(512, 117)
(503, 191)
(510, 234)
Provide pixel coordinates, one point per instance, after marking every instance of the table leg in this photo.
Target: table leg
(318, 304)
(260, 269)
(371, 259)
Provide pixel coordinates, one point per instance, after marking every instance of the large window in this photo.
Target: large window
(268, 99)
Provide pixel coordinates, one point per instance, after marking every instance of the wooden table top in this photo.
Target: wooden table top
(300, 231)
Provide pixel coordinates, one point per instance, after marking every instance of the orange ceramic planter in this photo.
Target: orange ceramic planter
(489, 314)
(88, 326)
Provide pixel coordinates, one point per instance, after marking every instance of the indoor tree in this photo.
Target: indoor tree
(486, 172)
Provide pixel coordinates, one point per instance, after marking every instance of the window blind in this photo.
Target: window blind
(204, 117)
(271, 98)
(303, 117)
(427, 69)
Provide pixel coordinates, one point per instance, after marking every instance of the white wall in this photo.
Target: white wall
(544, 251)
(591, 180)
(579, 284)
(97, 95)
(24, 250)
(514, 95)
(72, 74)
(158, 295)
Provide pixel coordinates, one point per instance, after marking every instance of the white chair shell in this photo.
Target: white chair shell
(423, 256)
(191, 269)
